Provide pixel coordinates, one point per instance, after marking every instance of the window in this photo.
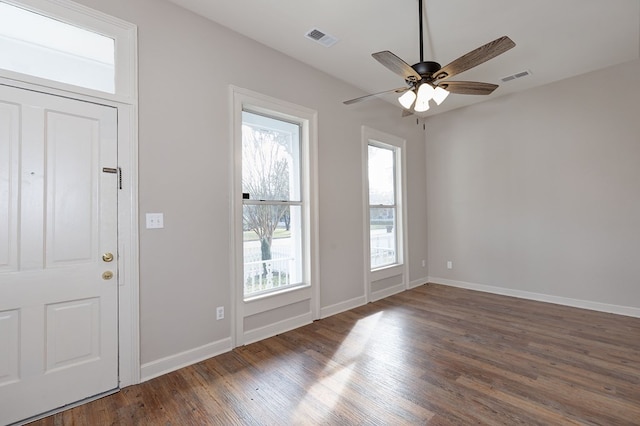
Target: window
(384, 215)
(275, 283)
(64, 45)
(272, 211)
(43, 47)
(383, 206)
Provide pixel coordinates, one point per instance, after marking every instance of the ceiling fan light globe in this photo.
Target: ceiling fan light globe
(425, 93)
(440, 94)
(421, 106)
(407, 99)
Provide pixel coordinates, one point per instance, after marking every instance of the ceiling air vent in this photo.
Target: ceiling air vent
(516, 75)
(321, 37)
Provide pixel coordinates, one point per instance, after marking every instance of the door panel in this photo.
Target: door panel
(67, 350)
(71, 192)
(58, 215)
(9, 114)
(9, 351)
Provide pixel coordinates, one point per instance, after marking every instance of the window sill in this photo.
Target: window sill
(387, 271)
(268, 301)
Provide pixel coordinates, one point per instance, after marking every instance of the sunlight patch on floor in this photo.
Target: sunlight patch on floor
(337, 373)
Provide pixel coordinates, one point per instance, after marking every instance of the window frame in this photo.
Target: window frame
(279, 301)
(401, 267)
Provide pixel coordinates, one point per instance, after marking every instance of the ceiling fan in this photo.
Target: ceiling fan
(428, 80)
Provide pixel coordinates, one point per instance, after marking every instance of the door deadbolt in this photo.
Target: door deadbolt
(107, 275)
(107, 257)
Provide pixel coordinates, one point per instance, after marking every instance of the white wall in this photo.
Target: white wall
(186, 64)
(539, 192)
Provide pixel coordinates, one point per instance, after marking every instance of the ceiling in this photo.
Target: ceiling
(554, 39)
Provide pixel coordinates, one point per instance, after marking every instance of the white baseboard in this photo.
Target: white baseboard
(558, 300)
(361, 300)
(327, 311)
(171, 363)
(418, 282)
(381, 294)
(276, 328)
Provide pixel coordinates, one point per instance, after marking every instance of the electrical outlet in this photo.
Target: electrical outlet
(424, 263)
(449, 264)
(220, 312)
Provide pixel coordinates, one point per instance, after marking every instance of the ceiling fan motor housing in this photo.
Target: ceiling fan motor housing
(426, 68)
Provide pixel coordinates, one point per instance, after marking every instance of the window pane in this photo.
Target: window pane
(381, 176)
(44, 47)
(270, 158)
(383, 237)
(272, 247)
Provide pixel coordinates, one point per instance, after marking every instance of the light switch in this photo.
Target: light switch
(155, 220)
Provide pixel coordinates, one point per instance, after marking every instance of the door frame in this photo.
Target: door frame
(125, 100)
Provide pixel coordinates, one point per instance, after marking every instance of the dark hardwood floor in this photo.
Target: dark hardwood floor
(432, 355)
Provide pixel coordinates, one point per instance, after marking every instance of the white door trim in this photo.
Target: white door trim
(128, 307)
(126, 102)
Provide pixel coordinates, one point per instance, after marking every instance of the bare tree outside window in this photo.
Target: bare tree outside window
(272, 206)
(266, 161)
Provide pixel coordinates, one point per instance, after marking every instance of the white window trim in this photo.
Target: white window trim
(124, 33)
(382, 139)
(126, 102)
(257, 102)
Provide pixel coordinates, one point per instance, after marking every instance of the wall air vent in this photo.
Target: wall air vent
(516, 75)
(321, 37)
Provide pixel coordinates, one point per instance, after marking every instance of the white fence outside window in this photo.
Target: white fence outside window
(261, 275)
(383, 251)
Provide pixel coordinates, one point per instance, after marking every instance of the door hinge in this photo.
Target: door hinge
(119, 178)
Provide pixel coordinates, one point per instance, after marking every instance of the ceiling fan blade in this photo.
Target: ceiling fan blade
(373, 95)
(468, 87)
(475, 57)
(397, 65)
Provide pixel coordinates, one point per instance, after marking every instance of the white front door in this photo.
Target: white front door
(58, 259)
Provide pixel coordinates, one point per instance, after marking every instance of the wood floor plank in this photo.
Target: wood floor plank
(433, 355)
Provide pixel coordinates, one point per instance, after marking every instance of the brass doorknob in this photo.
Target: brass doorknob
(107, 257)
(107, 275)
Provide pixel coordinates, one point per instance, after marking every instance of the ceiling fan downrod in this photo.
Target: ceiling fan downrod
(421, 32)
(425, 68)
